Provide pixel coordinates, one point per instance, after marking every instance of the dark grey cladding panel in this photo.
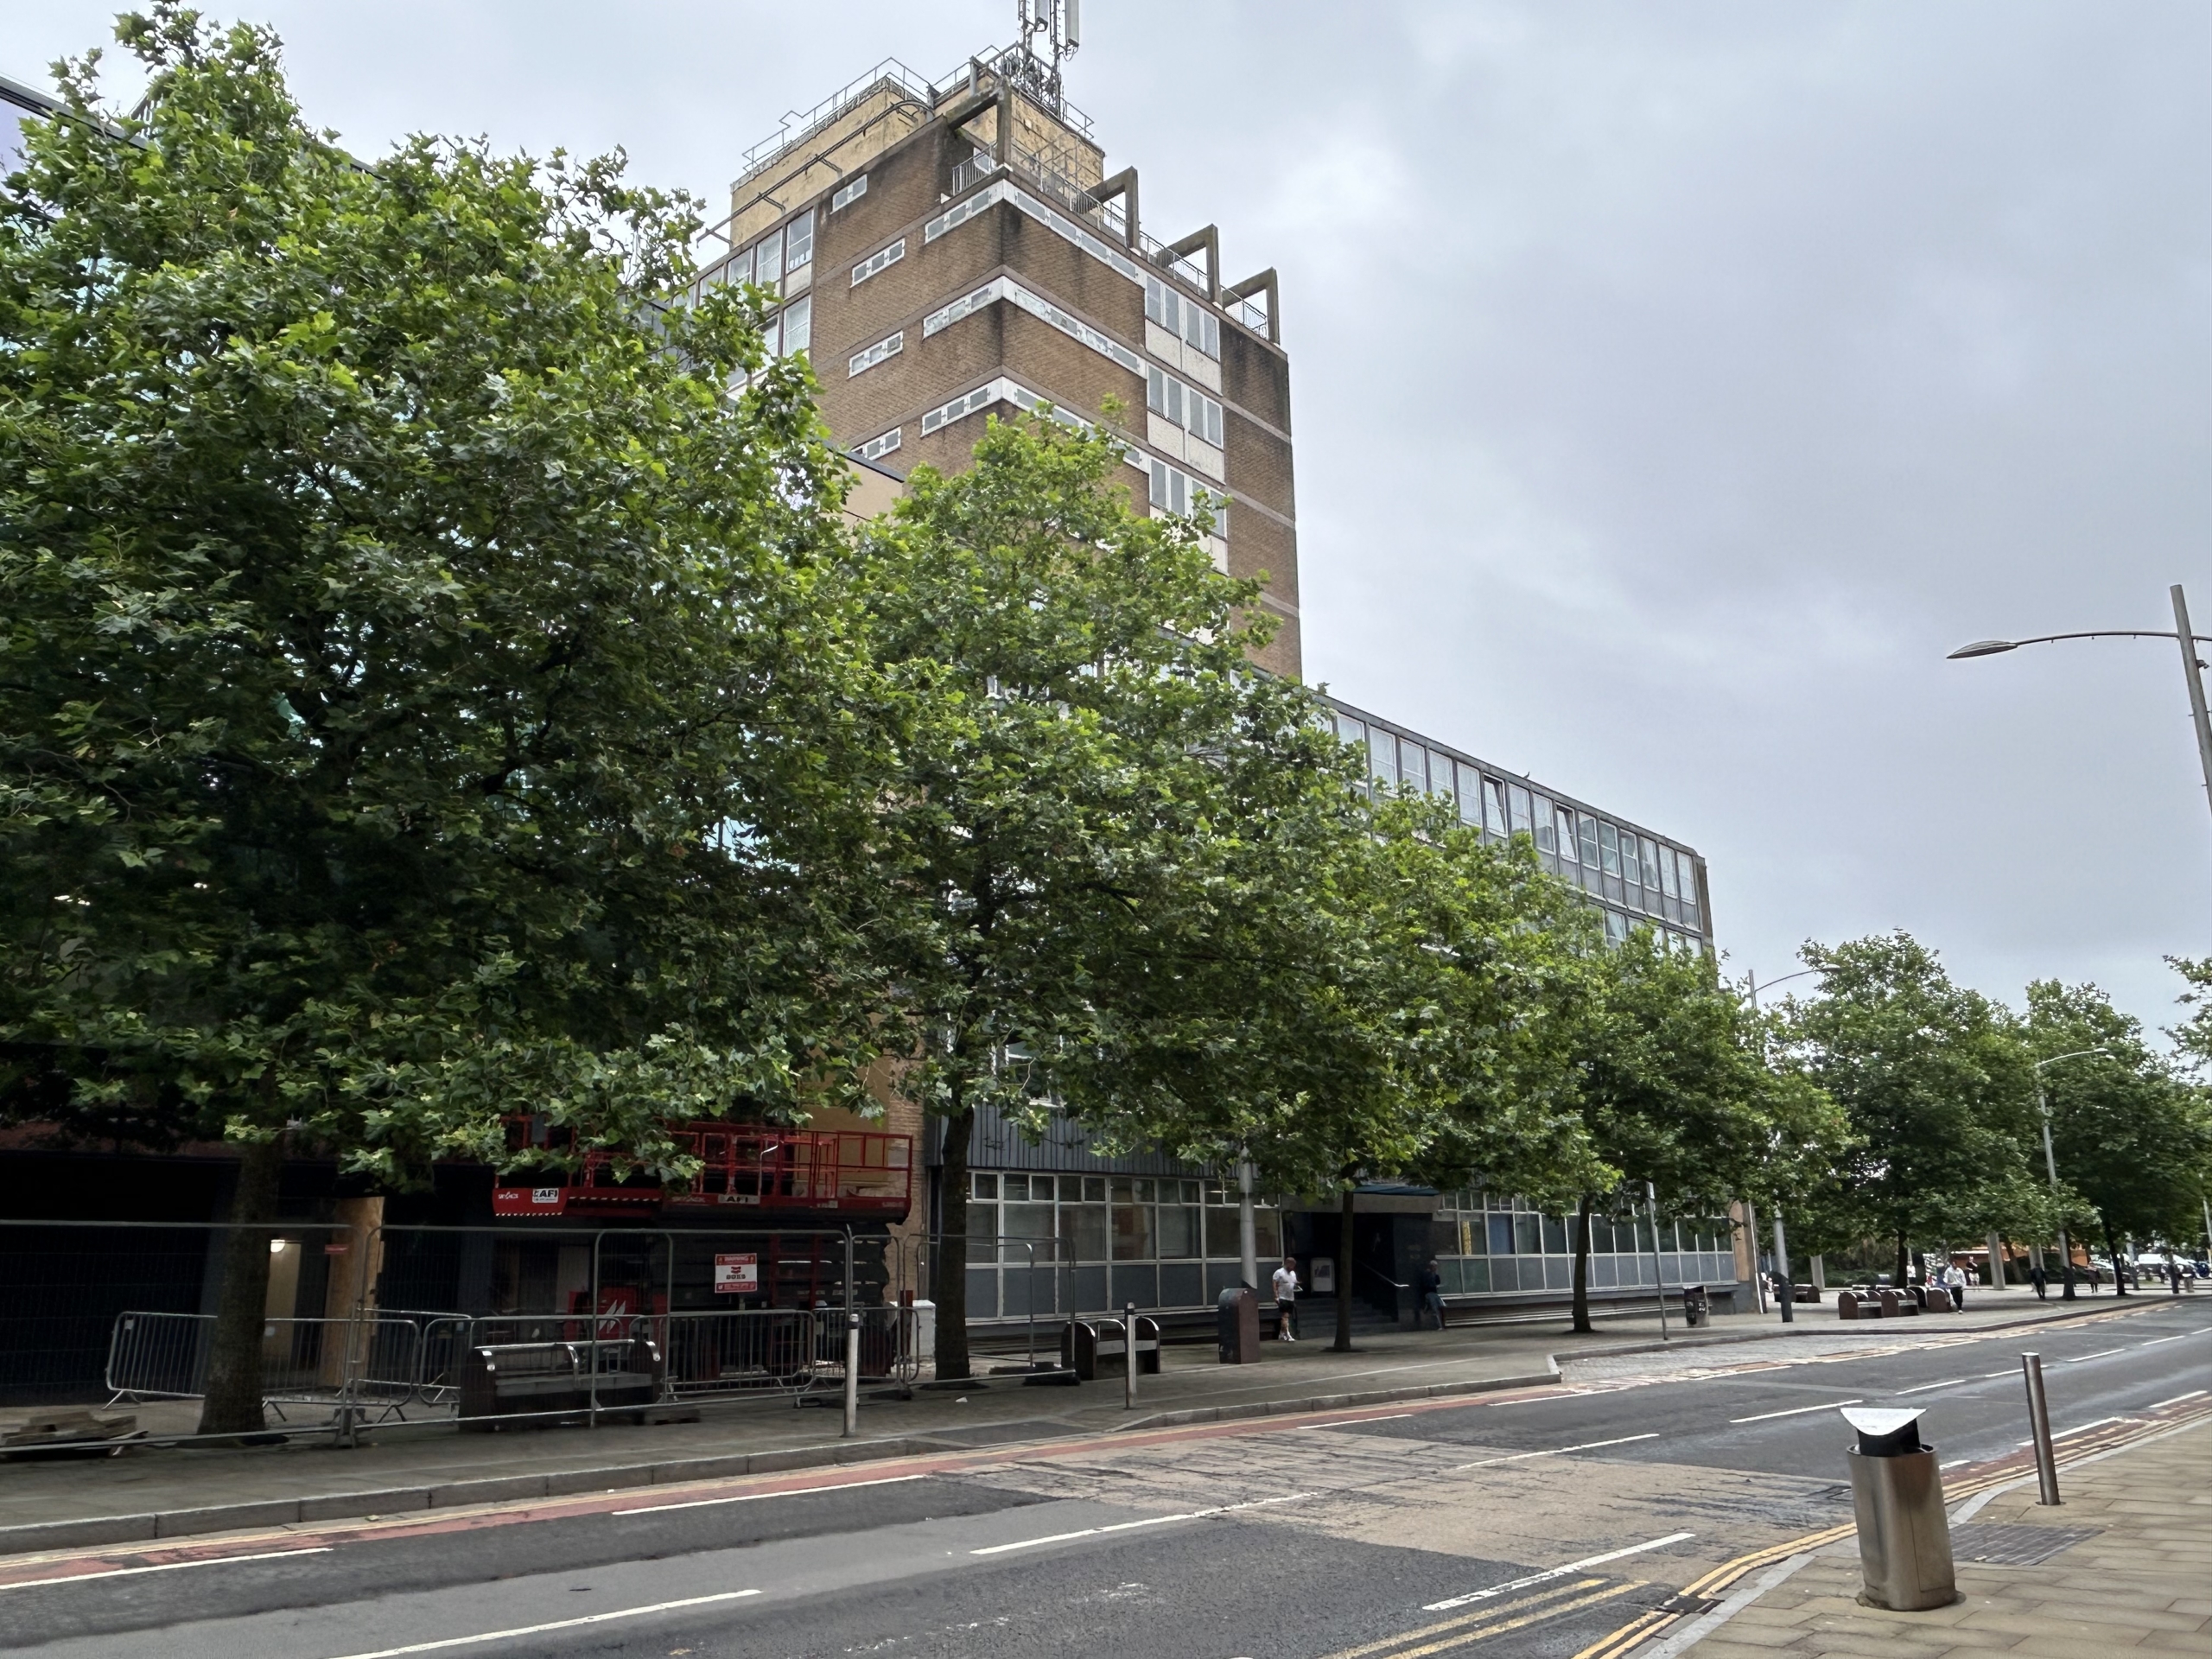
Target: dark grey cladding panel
(997, 1144)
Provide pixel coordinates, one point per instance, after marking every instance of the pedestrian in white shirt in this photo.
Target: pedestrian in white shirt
(1286, 1283)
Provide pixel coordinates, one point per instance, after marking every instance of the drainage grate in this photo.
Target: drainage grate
(1990, 1545)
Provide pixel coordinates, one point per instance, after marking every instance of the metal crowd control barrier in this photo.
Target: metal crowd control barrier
(305, 1362)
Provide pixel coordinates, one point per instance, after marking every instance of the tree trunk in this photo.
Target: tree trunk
(232, 1404)
(1342, 1345)
(2111, 1249)
(950, 1276)
(1899, 1279)
(1582, 1326)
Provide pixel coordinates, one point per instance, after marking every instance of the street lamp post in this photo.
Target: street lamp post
(2192, 668)
(2051, 1162)
(1787, 1292)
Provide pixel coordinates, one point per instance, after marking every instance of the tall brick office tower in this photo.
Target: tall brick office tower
(946, 249)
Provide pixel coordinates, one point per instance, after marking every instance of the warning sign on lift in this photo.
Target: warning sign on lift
(737, 1276)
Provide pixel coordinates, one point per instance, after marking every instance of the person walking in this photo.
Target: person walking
(1955, 1280)
(1431, 1285)
(2041, 1280)
(1286, 1284)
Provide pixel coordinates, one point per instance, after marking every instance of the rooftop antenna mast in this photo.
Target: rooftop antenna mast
(1059, 22)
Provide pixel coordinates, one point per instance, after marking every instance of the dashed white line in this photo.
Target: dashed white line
(556, 1624)
(164, 1567)
(1952, 1383)
(1555, 1573)
(1795, 1411)
(1129, 1526)
(2193, 1393)
(755, 1497)
(2155, 1341)
(2084, 1360)
(1549, 1451)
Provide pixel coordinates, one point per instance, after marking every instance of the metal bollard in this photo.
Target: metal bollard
(2039, 1427)
(1130, 1358)
(852, 1371)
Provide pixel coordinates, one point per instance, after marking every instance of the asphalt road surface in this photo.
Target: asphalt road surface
(1527, 1525)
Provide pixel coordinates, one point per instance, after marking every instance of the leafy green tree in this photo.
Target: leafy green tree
(1934, 1084)
(2131, 1137)
(422, 696)
(1078, 686)
(1677, 1097)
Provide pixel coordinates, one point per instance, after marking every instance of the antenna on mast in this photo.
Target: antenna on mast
(1036, 62)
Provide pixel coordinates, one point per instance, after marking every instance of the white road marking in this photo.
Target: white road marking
(2084, 1360)
(1340, 1422)
(1955, 1463)
(2155, 1341)
(1551, 1452)
(1794, 1411)
(754, 1497)
(2007, 1371)
(556, 1624)
(1924, 1387)
(1555, 1573)
(2193, 1393)
(1124, 1526)
(2068, 1434)
(165, 1567)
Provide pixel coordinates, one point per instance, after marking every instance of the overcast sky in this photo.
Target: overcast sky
(1673, 384)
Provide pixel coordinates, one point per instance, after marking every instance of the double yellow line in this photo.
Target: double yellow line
(1471, 1628)
(1723, 1578)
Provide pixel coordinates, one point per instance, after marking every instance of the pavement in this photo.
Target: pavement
(161, 1493)
(2123, 1564)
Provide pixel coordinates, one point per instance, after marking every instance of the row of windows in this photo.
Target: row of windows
(1015, 293)
(790, 331)
(879, 262)
(1188, 407)
(849, 195)
(859, 362)
(1185, 318)
(1169, 488)
(1617, 863)
(1013, 1217)
(781, 260)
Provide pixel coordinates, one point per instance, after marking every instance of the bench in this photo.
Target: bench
(551, 1380)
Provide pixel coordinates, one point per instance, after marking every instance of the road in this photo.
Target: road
(1525, 1525)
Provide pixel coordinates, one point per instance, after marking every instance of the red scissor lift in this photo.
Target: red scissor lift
(742, 1168)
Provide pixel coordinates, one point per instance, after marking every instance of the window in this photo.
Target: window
(1547, 835)
(1439, 774)
(1608, 849)
(1494, 806)
(1383, 759)
(799, 326)
(982, 1187)
(1615, 928)
(1522, 806)
(877, 448)
(1185, 318)
(772, 335)
(1527, 1234)
(768, 260)
(1177, 492)
(1501, 1234)
(798, 244)
(1186, 406)
(1555, 1236)
(861, 362)
(1648, 850)
(1564, 823)
(1471, 796)
(1413, 767)
(1352, 731)
(1667, 882)
(882, 260)
(849, 194)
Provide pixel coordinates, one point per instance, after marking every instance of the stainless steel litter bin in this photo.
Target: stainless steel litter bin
(1904, 1537)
